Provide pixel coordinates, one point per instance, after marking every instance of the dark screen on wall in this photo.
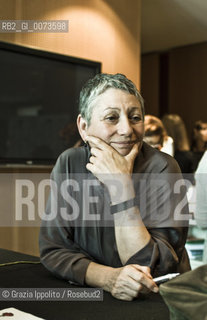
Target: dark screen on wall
(39, 103)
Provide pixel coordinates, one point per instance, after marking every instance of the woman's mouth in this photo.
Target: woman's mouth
(124, 144)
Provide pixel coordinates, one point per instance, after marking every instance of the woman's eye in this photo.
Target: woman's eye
(135, 118)
(112, 118)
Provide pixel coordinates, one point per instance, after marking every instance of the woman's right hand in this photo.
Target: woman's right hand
(123, 283)
(127, 282)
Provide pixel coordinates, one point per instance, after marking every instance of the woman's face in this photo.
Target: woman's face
(117, 119)
(203, 132)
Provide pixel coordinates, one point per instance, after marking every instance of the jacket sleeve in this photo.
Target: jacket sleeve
(59, 254)
(165, 215)
(165, 251)
(58, 251)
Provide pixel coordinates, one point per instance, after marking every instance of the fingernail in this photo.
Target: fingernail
(155, 289)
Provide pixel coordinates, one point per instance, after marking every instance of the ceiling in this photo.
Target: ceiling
(171, 23)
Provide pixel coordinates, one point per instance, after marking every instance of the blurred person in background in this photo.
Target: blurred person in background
(199, 142)
(175, 127)
(156, 135)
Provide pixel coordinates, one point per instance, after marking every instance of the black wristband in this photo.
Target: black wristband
(123, 205)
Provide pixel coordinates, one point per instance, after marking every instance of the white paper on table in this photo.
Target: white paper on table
(17, 315)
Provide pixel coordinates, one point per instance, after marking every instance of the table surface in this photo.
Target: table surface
(21, 275)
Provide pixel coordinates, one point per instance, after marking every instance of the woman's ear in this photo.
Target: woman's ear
(82, 127)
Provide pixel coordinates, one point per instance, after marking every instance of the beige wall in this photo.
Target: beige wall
(19, 223)
(106, 31)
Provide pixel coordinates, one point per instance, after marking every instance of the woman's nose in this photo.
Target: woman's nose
(124, 127)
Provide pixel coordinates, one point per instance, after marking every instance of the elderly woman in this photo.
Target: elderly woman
(111, 229)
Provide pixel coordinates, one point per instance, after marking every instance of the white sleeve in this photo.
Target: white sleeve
(201, 192)
(168, 146)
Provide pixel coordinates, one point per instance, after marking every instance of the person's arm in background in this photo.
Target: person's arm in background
(201, 201)
(201, 193)
(168, 146)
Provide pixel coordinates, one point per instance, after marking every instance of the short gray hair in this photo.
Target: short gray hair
(98, 85)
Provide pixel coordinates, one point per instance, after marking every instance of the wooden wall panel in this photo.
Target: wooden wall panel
(150, 82)
(23, 239)
(182, 85)
(188, 83)
(21, 235)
